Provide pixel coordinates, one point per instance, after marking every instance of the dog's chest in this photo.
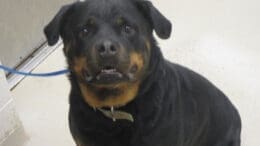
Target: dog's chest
(134, 135)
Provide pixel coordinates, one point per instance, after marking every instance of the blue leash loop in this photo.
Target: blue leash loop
(56, 73)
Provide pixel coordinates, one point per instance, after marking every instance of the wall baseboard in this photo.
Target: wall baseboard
(31, 63)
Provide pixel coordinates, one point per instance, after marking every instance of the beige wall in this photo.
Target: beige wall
(21, 25)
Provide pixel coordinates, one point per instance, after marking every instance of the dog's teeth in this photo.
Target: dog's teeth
(108, 70)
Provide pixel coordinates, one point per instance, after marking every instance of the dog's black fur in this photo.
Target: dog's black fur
(174, 106)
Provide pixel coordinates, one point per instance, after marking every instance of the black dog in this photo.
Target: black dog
(124, 93)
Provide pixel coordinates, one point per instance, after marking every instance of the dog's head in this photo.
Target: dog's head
(108, 44)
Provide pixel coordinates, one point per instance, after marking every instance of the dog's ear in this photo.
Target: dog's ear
(160, 24)
(52, 30)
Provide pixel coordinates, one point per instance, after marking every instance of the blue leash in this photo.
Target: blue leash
(56, 73)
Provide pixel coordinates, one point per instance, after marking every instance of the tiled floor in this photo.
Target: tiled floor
(219, 39)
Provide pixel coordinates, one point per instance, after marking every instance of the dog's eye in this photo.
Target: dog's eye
(129, 30)
(83, 32)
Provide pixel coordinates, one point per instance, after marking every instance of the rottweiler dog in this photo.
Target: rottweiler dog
(123, 91)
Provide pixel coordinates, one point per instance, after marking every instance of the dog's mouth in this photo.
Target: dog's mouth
(109, 75)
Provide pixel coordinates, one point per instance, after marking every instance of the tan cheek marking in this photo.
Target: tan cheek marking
(137, 59)
(128, 93)
(79, 64)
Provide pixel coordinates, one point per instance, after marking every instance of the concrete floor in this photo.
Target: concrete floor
(218, 39)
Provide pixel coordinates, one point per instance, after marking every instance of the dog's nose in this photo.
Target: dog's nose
(106, 48)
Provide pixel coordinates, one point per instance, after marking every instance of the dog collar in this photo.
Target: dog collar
(116, 114)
